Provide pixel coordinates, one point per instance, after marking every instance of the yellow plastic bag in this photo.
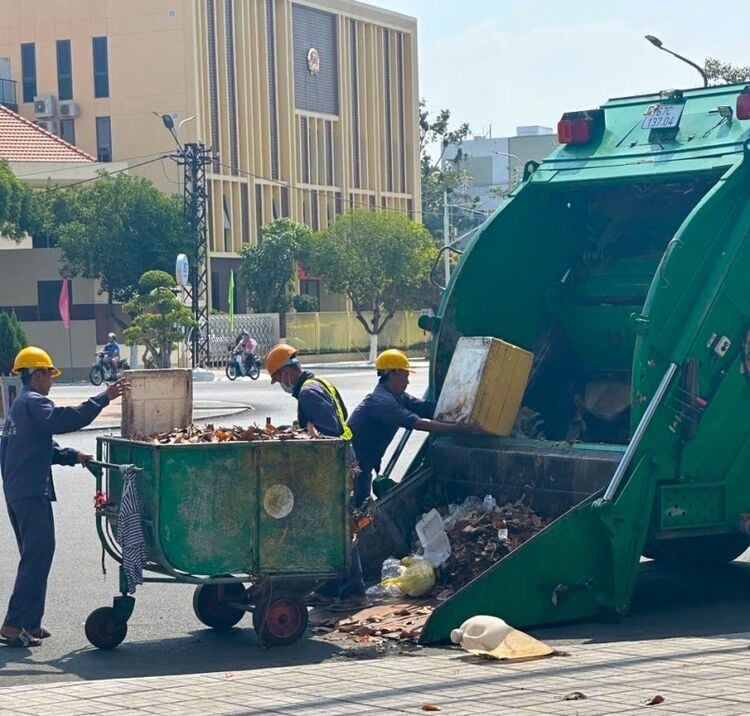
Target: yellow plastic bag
(416, 580)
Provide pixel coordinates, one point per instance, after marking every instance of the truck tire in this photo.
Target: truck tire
(707, 551)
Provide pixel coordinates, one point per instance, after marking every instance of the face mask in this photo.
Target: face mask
(287, 388)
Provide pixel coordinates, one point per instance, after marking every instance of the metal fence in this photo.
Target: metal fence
(341, 332)
(264, 327)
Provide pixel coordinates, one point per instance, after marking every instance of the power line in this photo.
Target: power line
(57, 187)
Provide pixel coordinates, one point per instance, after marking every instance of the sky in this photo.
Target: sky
(507, 63)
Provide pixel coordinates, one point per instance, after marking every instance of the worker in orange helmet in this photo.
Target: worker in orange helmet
(320, 409)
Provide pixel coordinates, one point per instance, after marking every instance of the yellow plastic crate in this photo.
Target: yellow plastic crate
(485, 384)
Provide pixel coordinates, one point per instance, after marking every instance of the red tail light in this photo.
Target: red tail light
(579, 127)
(743, 104)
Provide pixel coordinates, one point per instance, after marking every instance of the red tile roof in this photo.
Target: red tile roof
(24, 141)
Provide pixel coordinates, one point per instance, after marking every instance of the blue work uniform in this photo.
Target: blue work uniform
(27, 453)
(315, 405)
(374, 423)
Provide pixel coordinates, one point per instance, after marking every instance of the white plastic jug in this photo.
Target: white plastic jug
(481, 633)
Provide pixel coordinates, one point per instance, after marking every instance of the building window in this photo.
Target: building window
(48, 295)
(68, 130)
(64, 70)
(216, 302)
(101, 67)
(213, 91)
(231, 85)
(28, 71)
(272, 107)
(353, 60)
(103, 139)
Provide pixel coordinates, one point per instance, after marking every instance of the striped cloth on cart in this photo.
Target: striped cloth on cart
(129, 529)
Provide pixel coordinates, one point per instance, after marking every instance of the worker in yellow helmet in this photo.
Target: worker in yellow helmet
(27, 453)
(375, 421)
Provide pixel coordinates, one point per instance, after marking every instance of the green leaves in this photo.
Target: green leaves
(115, 229)
(12, 339)
(267, 270)
(15, 205)
(719, 72)
(160, 319)
(379, 259)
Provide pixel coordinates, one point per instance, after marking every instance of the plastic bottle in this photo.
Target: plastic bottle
(489, 503)
(481, 633)
(270, 429)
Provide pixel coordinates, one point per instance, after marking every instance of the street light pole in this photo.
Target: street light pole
(510, 174)
(446, 239)
(656, 42)
(194, 157)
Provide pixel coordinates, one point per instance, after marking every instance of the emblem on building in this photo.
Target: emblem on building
(313, 61)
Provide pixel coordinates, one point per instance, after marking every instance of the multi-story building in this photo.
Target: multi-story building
(495, 164)
(311, 106)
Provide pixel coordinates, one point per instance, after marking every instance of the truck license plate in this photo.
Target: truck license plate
(662, 116)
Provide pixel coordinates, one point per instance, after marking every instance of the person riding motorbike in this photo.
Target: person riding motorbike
(244, 352)
(111, 352)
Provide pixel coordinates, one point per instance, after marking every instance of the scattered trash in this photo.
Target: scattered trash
(391, 569)
(400, 622)
(430, 707)
(416, 580)
(489, 503)
(575, 696)
(436, 546)
(210, 434)
(494, 638)
(655, 700)
(478, 539)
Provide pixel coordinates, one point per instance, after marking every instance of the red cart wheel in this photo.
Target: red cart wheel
(281, 620)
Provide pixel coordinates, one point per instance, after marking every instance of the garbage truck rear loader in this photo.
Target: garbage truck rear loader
(622, 261)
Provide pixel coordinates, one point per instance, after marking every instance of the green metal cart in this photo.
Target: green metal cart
(253, 524)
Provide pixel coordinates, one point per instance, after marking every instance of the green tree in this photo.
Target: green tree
(16, 208)
(115, 229)
(267, 270)
(12, 339)
(719, 72)
(380, 260)
(159, 318)
(435, 136)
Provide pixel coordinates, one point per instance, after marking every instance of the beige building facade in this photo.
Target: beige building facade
(310, 106)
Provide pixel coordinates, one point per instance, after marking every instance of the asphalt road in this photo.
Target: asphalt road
(164, 637)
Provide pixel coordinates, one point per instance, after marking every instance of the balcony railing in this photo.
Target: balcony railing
(8, 94)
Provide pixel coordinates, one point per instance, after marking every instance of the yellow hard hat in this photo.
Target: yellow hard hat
(277, 357)
(393, 359)
(32, 357)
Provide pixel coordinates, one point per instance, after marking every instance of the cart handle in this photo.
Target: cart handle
(112, 466)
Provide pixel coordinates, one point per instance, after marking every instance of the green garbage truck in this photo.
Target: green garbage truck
(622, 261)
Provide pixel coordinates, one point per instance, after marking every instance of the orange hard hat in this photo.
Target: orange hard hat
(278, 357)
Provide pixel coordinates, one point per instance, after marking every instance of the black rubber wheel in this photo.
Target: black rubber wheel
(96, 375)
(255, 371)
(708, 551)
(210, 604)
(281, 620)
(232, 370)
(103, 630)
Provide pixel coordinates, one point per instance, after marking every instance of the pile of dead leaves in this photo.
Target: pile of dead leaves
(479, 539)
(402, 622)
(209, 434)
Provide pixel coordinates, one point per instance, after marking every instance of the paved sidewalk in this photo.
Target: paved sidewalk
(695, 676)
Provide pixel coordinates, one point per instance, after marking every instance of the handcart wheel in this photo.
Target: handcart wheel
(211, 607)
(281, 620)
(103, 630)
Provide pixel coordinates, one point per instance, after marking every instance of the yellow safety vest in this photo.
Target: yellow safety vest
(347, 434)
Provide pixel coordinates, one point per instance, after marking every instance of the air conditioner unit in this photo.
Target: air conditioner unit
(69, 108)
(44, 105)
(49, 124)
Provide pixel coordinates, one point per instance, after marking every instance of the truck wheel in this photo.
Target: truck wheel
(103, 630)
(708, 551)
(281, 620)
(210, 604)
(96, 375)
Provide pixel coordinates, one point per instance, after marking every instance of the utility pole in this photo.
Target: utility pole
(194, 157)
(446, 239)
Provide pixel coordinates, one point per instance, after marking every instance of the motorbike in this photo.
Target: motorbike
(101, 370)
(249, 365)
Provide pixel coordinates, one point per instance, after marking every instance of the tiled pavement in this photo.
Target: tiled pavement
(695, 677)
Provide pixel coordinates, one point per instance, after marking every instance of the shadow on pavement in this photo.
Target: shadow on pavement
(670, 602)
(202, 651)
